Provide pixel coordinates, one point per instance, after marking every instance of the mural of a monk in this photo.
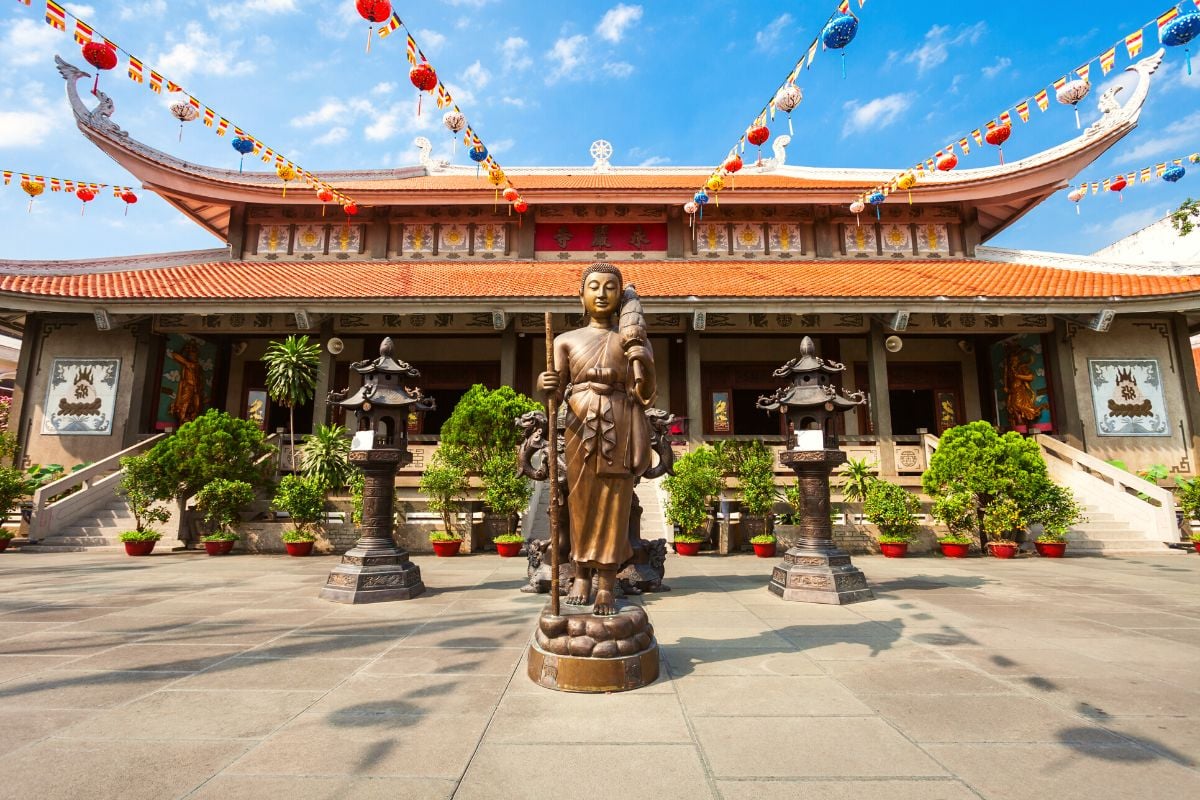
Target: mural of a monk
(189, 395)
(605, 375)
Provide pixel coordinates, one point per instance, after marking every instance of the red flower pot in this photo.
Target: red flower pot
(893, 549)
(1003, 550)
(951, 550)
(508, 549)
(446, 549)
(4, 544)
(764, 550)
(298, 548)
(1051, 549)
(687, 548)
(1196, 545)
(218, 548)
(138, 548)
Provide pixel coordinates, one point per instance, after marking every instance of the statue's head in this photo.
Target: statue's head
(600, 290)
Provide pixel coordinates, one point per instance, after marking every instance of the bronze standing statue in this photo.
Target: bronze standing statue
(605, 375)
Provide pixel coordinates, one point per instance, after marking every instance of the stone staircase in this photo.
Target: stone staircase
(654, 525)
(96, 531)
(1102, 533)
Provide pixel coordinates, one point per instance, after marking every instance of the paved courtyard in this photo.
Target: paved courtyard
(188, 676)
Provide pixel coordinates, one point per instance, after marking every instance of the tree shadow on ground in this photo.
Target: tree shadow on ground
(1138, 749)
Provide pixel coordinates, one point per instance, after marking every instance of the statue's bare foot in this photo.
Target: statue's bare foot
(581, 590)
(605, 606)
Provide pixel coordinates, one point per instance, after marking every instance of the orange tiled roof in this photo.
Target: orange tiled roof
(586, 179)
(368, 280)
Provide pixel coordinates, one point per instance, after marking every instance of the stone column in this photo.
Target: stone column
(695, 397)
(1061, 363)
(508, 356)
(881, 399)
(376, 570)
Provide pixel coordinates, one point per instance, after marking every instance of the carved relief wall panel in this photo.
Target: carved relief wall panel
(896, 239)
(933, 240)
(859, 240)
(712, 239)
(418, 239)
(310, 240)
(273, 240)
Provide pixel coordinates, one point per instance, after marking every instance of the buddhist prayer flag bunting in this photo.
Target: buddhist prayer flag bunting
(135, 70)
(1042, 99)
(411, 50)
(392, 26)
(1006, 118)
(210, 117)
(156, 81)
(1023, 110)
(1146, 175)
(222, 126)
(1060, 83)
(83, 32)
(1166, 19)
(1084, 71)
(1108, 60)
(56, 15)
(1133, 43)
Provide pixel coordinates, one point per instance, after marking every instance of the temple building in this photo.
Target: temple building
(936, 327)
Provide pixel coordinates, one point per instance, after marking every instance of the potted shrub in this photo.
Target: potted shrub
(957, 512)
(506, 492)
(444, 484)
(764, 545)
(857, 475)
(757, 492)
(325, 457)
(690, 491)
(303, 499)
(219, 502)
(141, 485)
(1057, 510)
(891, 509)
(976, 461)
(481, 429)
(509, 544)
(1189, 503)
(1002, 518)
(788, 529)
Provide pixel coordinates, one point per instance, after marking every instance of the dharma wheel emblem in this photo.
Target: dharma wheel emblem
(601, 150)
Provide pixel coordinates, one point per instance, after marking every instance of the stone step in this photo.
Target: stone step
(1117, 546)
(1101, 535)
(1092, 525)
(81, 541)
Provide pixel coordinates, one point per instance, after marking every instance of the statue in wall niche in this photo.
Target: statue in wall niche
(605, 376)
(189, 395)
(1022, 401)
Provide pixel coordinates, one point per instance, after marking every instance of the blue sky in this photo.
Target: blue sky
(670, 83)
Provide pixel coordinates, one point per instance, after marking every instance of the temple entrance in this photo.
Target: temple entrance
(913, 410)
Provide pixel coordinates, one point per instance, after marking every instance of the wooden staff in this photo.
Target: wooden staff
(552, 455)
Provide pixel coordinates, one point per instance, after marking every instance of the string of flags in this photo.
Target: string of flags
(85, 191)
(1169, 171)
(102, 53)
(1175, 28)
(839, 30)
(424, 77)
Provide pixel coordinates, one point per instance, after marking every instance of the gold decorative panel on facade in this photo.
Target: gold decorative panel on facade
(933, 240)
(859, 240)
(273, 239)
(896, 238)
(712, 239)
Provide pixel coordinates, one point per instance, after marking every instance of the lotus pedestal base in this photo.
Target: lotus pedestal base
(581, 652)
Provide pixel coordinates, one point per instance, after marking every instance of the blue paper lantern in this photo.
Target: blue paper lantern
(839, 32)
(1173, 173)
(478, 154)
(876, 199)
(1182, 30)
(243, 146)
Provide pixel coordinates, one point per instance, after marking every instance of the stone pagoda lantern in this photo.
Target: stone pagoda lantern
(814, 569)
(376, 569)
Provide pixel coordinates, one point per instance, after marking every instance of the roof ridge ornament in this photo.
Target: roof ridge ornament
(1112, 111)
(100, 117)
(425, 148)
(601, 150)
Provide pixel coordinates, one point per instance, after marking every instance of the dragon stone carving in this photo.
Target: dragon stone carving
(100, 117)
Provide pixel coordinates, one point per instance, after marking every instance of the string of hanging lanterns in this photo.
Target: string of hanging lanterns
(85, 191)
(836, 34)
(424, 79)
(1171, 171)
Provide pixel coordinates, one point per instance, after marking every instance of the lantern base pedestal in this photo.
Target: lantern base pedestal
(819, 575)
(373, 575)
(578, 651)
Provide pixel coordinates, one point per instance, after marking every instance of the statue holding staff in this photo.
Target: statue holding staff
(604, 374)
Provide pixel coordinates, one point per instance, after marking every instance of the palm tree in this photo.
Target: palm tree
(292, 376)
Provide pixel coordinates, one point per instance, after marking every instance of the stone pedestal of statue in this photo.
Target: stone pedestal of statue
(814, 569)
(579, 651)
(375, 570)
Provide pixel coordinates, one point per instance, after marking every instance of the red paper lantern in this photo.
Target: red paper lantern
(351, 209)
(424, 78)
(373, 11)
(520, 206)
(102, 56)
(997, 136)
(511, 195)
(130, 198)
(1118, 185)
(758, 135)
(324, 195)
(947, 162)
(86, 195)
(734, 164)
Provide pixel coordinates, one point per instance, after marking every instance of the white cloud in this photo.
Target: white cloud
(655, 161)
(515, 102)
(34, 119)
(462, 96)
(515, 51)
(152, 8)
(1002, 63)
(1119, 227)
(477, 75)
(614, 22)
(618, 69)
(333, 111)
(429, 41)
(383, 88)
(500, 146)
(938, 41)
(470, 3)
(1168, 144)
(31, 42)
(232, 15)
(769, 37)
(201, 54)
(332, 136)
(567, 55)
(879, 111)
(402, 119)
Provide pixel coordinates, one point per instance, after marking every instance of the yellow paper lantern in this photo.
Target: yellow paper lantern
(286, 173)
